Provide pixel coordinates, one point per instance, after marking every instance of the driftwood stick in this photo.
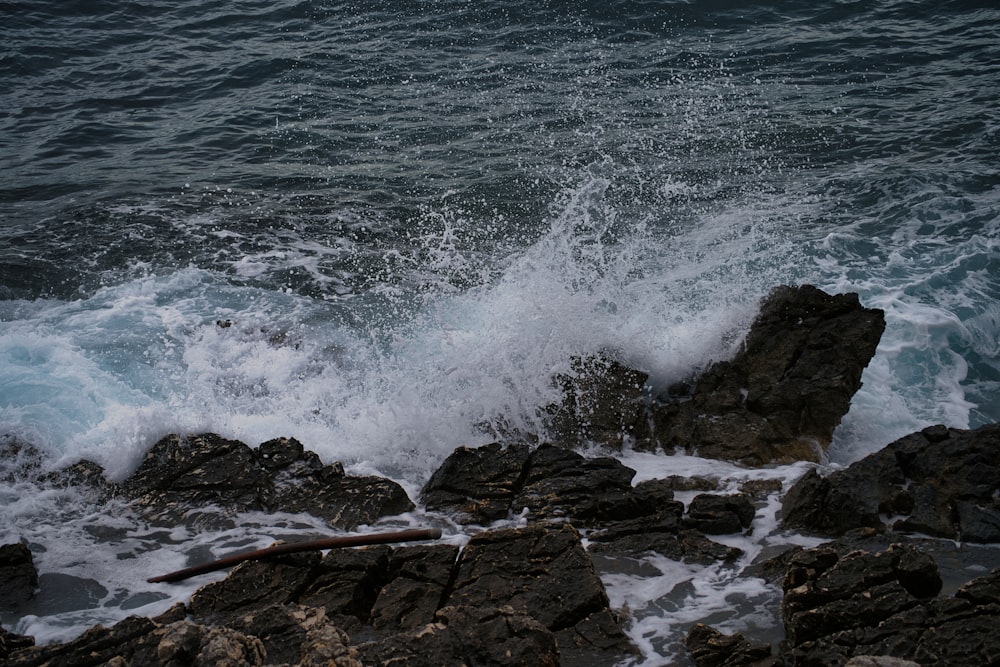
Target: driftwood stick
(297, 547)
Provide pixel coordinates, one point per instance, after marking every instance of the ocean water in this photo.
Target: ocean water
(412, 214)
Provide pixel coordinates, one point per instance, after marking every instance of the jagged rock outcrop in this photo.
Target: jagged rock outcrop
(783, 394)
(869, 599)
(467, 635)
(538, 580)
(143, 641)
(939, 481)
(180, 473)
(842, 605)
(482, 484)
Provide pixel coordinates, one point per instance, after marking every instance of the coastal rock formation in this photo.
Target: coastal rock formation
(468, 635)
(276, 637)
(479, 485)
(710, 648)
(526, 596)
(940, 481)
(850, 606)
(777, 401)
(180, 473)
(538, 580)
(783, 394)
(840, 605)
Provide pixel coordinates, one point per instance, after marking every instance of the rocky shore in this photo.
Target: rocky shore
(532, 595)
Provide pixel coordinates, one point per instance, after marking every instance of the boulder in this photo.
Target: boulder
(18, 576)
(662, 533)
(181, 473)
(10, 642)
(939, 481)
(480, 485)
(559, 482)
(297, 635)
(783, 394)
(715, 514)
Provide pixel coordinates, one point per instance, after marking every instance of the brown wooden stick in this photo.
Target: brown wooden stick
(296, 547)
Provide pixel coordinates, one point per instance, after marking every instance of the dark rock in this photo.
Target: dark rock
(562, 483)
(841, 604)
(178, 474)
(604, 402)
(140, 641)
(544, 571)
(22, 461)
(297, 635)
(418, 578)
(10, 642)
(710, 648)
(477, 483)
(940, 482)
(662, 533)
(255, 585)
(82, 473)
(720, 515)
(344, 584)
(485, 635)
(772, 563)
(347, 583)
(487, 483)
(982, 591)
(18, 576)
(521, 592)
(783, 394)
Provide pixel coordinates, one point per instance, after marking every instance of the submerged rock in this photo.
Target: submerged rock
(783, 394)
(197, 471)
(940, 481)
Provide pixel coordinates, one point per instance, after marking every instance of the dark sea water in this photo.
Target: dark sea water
(414, 213)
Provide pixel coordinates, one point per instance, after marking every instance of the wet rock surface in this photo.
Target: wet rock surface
(868, 599)
(596, 493)
(275, 636)
(783, 394)
(941, 482)
(843, 605)
(180, 473)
